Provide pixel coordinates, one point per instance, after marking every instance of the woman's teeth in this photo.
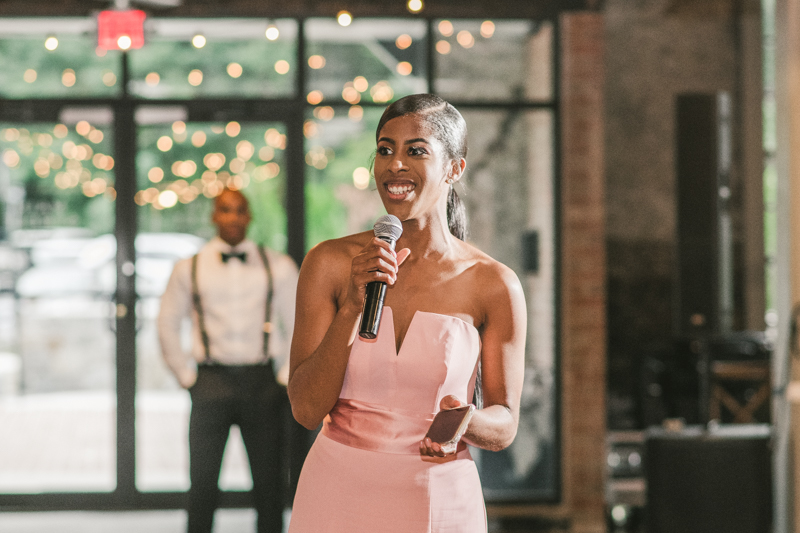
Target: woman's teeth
(400, 189)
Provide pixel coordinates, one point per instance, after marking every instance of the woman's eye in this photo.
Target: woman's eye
(416, 150)
(383, 150)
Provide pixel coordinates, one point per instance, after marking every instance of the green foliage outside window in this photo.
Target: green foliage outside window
(56, 177)
(73, 69)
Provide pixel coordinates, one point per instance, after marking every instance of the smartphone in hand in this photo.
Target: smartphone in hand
(449, 425)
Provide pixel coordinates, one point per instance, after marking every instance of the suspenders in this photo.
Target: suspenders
(199, 308)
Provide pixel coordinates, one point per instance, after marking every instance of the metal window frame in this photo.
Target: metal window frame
(292, 112)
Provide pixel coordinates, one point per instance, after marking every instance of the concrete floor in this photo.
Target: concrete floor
(226, 521)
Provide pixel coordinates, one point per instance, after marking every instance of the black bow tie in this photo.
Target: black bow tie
(241, 256)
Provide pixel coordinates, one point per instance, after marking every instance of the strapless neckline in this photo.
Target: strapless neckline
(399, 350)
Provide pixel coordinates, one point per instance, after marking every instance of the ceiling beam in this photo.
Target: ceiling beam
(304, 8)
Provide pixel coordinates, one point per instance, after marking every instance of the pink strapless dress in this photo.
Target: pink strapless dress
(364, 473)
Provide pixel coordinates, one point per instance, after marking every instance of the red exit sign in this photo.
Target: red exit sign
(120, 30)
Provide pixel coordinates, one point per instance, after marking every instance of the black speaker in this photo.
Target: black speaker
(709, 481)
(704, 244)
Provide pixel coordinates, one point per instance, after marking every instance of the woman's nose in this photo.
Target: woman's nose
(397, 163)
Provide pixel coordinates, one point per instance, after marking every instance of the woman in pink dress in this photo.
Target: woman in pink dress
(449, 310)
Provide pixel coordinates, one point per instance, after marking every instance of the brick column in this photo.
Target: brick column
(583, 261)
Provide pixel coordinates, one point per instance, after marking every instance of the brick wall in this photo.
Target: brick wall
(583, 270)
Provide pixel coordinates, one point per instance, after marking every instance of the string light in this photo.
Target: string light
(51, 43)
(68, 77)
(344, 18)
(195, 77)
(403, 41)
(199, 41)
(465, 39)
(234, 70)
(272, 32)
(404, 68)
(316, 61)
(124, 42)
(314, 97)
(487, 29)
(446, 28)
(414, 6)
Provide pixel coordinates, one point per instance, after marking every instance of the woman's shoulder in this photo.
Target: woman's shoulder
(338, 250)
(491, 275)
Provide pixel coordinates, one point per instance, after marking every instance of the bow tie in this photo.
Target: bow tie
(241, 256)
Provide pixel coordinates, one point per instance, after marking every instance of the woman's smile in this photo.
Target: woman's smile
(399, 190)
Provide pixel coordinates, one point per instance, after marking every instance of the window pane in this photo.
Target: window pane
(72, 67)
(181, 167)
(236, 59)
(340, 193)
(494, 60)
(57, 347)
(371, 60)
(510, 208)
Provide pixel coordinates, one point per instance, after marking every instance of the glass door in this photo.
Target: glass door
(182, 166)
(57, 280)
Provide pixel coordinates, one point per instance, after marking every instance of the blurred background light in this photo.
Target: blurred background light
(234, 70)
(361, 178)
(403, 41)
(414, 6)
(314, 97)
(109, 78)
(360, 83)
(233, 128)
(68, 77)
(124, 42)
(404, 68)
(272, 32)
(465, 39)
(51, 43)
(355, 113)
(195, 77)
(344, 18)
(167, 198)
(316, 61)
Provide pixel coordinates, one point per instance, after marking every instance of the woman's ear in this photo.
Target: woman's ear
(457, 167)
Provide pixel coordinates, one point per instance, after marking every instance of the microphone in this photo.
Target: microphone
(387, 228)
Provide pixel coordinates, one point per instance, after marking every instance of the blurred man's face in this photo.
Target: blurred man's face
(231, 216)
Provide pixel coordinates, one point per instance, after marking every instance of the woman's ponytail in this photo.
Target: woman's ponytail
(456, 215)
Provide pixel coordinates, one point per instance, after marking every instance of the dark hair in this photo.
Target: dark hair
(449, 129)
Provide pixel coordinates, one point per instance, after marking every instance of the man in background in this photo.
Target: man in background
(241, 300)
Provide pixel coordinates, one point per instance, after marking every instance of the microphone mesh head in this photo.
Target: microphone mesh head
(388, 227)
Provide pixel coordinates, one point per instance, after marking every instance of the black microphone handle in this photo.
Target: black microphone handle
(373, 306)
(373, 309)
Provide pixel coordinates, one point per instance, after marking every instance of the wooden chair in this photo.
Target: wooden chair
(724, 375)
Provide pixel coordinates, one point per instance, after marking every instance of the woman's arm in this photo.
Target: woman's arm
(502, 366)
(325, 322)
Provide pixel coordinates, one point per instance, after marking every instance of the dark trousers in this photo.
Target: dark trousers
(249, 397)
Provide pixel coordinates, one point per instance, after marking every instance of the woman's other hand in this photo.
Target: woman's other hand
(434, 449)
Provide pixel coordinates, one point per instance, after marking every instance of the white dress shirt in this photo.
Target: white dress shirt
(233, 297)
